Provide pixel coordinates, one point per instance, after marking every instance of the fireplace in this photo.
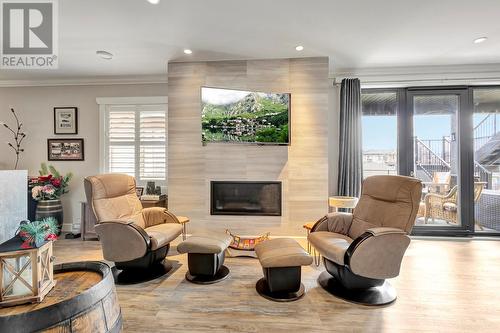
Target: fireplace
(245, 198)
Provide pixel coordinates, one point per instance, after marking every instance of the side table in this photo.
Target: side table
(340, 201)
(163, 203)
(184, 221)
(310, 249)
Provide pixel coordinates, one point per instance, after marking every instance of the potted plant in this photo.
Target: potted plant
(47, 190)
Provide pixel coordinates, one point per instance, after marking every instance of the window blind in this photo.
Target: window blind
(136, 141)
(152, 144)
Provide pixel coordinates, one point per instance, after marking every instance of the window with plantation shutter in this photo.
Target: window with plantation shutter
(134, 141)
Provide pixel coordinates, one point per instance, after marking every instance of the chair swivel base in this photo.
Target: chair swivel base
(374, 296)
(152, 266)
(222, 274)
(263, 290)
(135, 275)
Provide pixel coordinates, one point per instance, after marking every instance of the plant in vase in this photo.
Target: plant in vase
(37, 233)
(47, 190)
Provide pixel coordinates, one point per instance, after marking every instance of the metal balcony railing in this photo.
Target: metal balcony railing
(485, 130)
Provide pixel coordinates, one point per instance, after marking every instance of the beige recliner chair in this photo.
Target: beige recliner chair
(136, 239)
(362, 249)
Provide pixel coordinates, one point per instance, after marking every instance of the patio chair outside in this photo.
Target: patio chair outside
(445, 207)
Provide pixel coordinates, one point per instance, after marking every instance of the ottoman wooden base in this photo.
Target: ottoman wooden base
(282, 260)
(262, 288)
(222, 274)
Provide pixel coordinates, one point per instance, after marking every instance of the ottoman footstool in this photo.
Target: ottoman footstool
(206, 254)
(281, 260)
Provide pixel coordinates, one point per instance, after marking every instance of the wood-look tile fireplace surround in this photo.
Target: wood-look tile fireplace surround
(301, 167)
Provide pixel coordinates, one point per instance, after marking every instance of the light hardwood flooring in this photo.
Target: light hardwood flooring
(444, 286)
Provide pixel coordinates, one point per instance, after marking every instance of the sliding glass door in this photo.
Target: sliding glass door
(448, 137)
(433, 140)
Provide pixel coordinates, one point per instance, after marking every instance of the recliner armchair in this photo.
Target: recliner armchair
(133, 238)
(362, 249)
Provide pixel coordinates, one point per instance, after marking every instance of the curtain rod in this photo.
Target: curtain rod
(430, 81)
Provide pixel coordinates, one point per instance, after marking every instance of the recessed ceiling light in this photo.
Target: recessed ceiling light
(104, 54)
(480, 40)
(299, 47)
(188, 51)
(154, 2)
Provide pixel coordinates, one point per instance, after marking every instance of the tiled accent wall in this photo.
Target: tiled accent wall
(302, 166)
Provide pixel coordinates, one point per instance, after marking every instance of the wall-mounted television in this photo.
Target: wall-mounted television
(239, 116)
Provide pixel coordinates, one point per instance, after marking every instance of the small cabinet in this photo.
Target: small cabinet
(88, 222)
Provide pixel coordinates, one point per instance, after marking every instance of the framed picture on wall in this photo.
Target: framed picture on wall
(65, 120)
(65, 150)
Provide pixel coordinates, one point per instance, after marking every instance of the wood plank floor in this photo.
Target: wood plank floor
(444, 286)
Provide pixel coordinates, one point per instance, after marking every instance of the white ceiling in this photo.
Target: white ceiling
(355, 34)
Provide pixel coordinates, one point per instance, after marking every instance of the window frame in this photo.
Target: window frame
(104, 103)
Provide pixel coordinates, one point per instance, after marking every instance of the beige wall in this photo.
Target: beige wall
(34, 106)
(302, 166)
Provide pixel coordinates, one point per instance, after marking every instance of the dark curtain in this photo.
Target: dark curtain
(350, 154)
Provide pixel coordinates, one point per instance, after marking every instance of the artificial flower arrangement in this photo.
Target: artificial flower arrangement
(50, 184)
(36, 233)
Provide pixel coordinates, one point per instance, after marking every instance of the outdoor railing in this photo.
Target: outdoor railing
(482, 174)
(375, 172)
(485, 130)
(436, 147)
(427, 160)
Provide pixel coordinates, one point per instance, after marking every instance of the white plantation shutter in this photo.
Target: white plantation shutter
(121, 139)
(135, 141)
(152, 133)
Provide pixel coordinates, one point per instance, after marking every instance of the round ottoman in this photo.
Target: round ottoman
(206, 255)
(281, 260)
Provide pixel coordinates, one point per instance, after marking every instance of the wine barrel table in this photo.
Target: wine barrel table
(83, 300)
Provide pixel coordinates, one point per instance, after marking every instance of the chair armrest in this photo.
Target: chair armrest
(334, 222)
(377, 253)
(122, 240)
(385, 231)
(158, 215)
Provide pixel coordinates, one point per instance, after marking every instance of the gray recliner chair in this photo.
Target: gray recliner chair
(135, 239)
(362, 249)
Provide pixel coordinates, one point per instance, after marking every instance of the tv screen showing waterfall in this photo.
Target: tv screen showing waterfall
(245, 116)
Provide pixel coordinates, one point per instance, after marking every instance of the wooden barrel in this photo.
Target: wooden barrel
(84, 300)
(50, 208)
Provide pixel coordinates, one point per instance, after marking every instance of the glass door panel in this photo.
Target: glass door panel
(435, 157)
(486, 136)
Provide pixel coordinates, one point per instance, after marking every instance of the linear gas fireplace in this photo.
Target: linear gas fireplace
(245, 198)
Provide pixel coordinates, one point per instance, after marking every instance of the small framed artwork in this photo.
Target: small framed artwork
(139, 190)
(65, 120)
(65, 149)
